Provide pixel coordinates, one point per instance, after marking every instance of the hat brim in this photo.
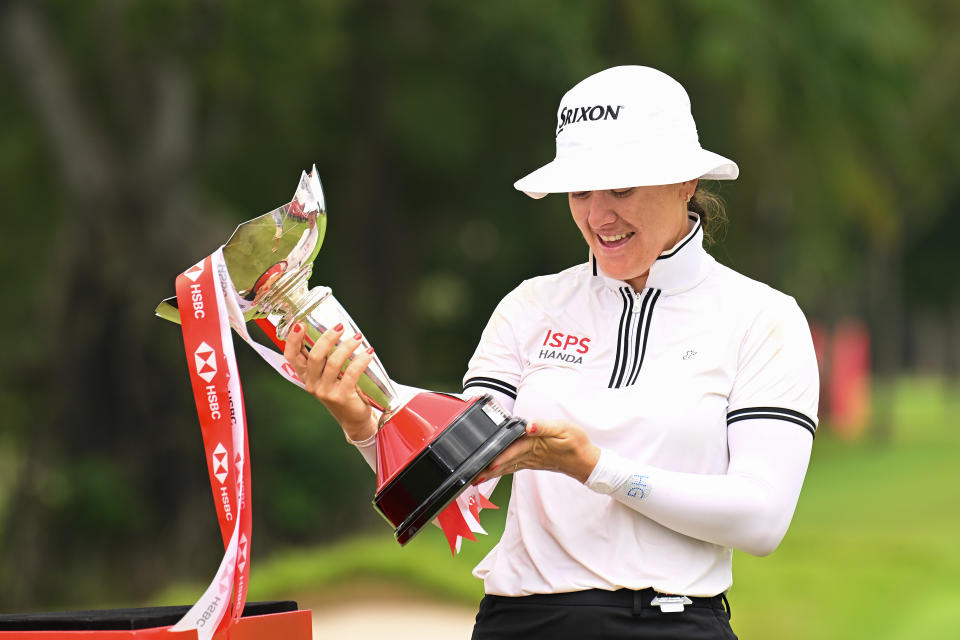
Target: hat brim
(587, 172)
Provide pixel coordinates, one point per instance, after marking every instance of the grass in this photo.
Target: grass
(872, 551)
(424, 566)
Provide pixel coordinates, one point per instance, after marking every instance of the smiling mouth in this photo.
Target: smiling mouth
(614, 241)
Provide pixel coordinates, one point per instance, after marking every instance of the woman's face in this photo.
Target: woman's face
(628, 228)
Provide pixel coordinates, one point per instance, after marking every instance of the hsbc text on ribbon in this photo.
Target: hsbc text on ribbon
(196, 294)
(213, 401)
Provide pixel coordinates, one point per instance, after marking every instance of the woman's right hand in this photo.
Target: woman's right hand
(321, 377)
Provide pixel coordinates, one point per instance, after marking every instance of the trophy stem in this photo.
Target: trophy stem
(290, 297)
(318, 310)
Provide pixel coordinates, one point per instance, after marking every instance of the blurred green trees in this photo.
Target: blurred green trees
(134, 136)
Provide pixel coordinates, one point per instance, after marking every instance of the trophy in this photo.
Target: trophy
(430, 445)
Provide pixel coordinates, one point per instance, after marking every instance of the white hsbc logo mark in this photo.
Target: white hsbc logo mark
(242, 552)
(220, 462)
(194, 272)
(205, 358)
(220, 472)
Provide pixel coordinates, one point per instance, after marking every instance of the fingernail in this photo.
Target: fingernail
(494, 467)
(533, 428)
(479, 480)
(370, 350)
(296, 328)
(339, 327)
(358, 337)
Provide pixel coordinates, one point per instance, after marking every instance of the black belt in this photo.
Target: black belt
(636, 600)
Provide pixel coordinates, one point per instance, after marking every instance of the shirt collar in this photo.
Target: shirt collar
(682, 267)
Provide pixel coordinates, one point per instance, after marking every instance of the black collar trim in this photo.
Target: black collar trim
(693, 234)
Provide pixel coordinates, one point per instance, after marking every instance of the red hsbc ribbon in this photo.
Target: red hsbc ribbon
(208, 342)
(208, 307)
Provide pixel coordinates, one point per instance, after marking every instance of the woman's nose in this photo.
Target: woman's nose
(601, 211)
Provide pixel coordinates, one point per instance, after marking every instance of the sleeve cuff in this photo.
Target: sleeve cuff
(605, 477)
(368, 449)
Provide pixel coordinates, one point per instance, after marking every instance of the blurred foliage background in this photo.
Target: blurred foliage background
(134, 136)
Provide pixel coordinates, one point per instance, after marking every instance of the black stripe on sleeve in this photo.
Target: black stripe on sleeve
(492, 383)
(774, 413)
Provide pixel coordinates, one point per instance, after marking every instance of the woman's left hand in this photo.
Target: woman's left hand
(552, 445)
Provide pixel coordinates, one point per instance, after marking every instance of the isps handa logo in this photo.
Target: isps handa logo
(573, 115)
(564, 346)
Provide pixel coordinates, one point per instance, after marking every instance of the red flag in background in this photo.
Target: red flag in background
(843, 357)
(849, 395)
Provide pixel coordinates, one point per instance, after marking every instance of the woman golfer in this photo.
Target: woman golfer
(671, 401)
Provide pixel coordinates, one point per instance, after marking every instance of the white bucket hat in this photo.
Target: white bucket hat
(627, 126)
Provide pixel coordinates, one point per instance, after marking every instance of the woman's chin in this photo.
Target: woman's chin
(617, 271)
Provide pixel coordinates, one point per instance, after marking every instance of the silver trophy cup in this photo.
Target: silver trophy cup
(430, 446)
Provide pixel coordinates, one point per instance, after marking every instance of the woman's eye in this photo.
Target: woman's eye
(579, 195)
(621, 193)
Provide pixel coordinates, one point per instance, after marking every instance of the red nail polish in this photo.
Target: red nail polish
(494, 467)
(339, 327)
(370, 350)
(296, 328)
(533, 428)
(358, 337)
(479, 480)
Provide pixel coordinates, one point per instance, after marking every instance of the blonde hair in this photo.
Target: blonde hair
(707, 204)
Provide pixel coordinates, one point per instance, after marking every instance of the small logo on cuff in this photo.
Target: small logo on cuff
(637, 486)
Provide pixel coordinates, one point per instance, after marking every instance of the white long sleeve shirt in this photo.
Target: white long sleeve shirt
(702, 392)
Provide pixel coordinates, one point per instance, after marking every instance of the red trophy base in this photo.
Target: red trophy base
(430, 449)
(260, 621)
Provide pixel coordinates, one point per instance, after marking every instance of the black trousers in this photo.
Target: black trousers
(606, 615)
